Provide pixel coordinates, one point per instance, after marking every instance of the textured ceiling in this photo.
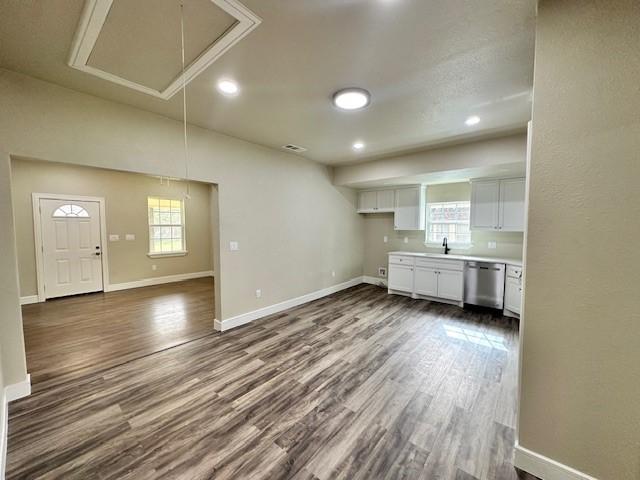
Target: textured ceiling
(131, 45)
(427, 63)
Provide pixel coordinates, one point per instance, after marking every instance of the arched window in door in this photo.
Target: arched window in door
(70, 210)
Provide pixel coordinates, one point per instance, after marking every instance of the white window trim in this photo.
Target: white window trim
(452, 246)
(175, 253)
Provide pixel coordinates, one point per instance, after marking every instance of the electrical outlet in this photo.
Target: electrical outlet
(154, 267)
(114, 237)
(382, 271)
(385, 239)
(491, 245)
(233, 246)
(333, 273)
(258, 293)
(406, 239)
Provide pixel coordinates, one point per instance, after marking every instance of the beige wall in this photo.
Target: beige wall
(379, 225)
(474, 156)
(125, 197)
(580, 391)
(12, 359)
(294, 227)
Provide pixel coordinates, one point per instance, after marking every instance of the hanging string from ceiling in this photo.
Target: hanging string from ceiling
(187, 194)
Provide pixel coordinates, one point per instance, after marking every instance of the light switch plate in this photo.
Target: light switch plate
(406, 239)
(385, 239)
(130, 237)
(233, 246)
(114, 237)
(491, 245)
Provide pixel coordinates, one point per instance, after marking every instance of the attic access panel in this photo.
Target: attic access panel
(137, 43)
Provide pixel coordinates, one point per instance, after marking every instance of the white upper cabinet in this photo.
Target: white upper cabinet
(485, 205)
(410, 209)
(367, 202)
(385, 200)
(376, 201)
(512, 205)
(498, 205)
(407, 204)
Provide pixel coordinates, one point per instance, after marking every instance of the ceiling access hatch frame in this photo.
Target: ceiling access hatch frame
(94, 16)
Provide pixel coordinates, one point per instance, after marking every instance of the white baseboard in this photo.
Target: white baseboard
(18, 390)
(4, 431)
(375, 280)
(248, 317)
(147, 282)
(29, 299)
(545, 467)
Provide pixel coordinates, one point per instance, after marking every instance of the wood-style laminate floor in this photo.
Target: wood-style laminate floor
(73, 336)
(357, 385)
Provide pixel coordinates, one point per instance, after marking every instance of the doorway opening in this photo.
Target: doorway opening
(113, 265)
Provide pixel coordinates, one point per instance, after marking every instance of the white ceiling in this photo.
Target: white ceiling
(427, 63)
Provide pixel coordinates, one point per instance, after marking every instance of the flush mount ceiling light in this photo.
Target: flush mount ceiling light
(228, 87)
(473, 120)
(358, 146)
(351, 98)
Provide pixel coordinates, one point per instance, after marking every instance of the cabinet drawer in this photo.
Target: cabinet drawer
(514, 272)
(455, 265)
(400, 260)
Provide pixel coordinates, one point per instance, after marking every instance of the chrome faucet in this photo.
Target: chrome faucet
(445, 245)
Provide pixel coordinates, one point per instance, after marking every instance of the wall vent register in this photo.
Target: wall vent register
(294, 148)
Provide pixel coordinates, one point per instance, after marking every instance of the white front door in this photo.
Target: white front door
(71, 247)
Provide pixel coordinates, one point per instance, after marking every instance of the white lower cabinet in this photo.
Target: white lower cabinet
(425, 282)
(401, 277)
(450, 284)
(513, 289)
(425, 277)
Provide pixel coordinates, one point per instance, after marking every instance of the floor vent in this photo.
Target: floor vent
(294, 148)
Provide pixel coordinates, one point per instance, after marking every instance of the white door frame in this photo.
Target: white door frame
(37, 232)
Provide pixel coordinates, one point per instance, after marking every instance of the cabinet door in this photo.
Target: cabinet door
(513, 294)
(512, 205)
(367, 201)
(450, 285)
(485, 205)
(385, 200)
(425, 282)
(401, 278)
(408, 209)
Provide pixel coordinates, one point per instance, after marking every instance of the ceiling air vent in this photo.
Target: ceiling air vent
(294, 148)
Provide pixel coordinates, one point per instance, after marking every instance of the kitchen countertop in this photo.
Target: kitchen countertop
(471, 258)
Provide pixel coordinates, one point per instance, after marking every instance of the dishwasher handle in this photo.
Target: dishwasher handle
(485, 266)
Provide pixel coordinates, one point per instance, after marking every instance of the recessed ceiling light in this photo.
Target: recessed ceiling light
(358, 146)
(228, 87)
(351, 98)
(474, 120)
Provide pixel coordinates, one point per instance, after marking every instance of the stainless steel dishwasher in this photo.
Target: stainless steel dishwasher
(484, 284)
